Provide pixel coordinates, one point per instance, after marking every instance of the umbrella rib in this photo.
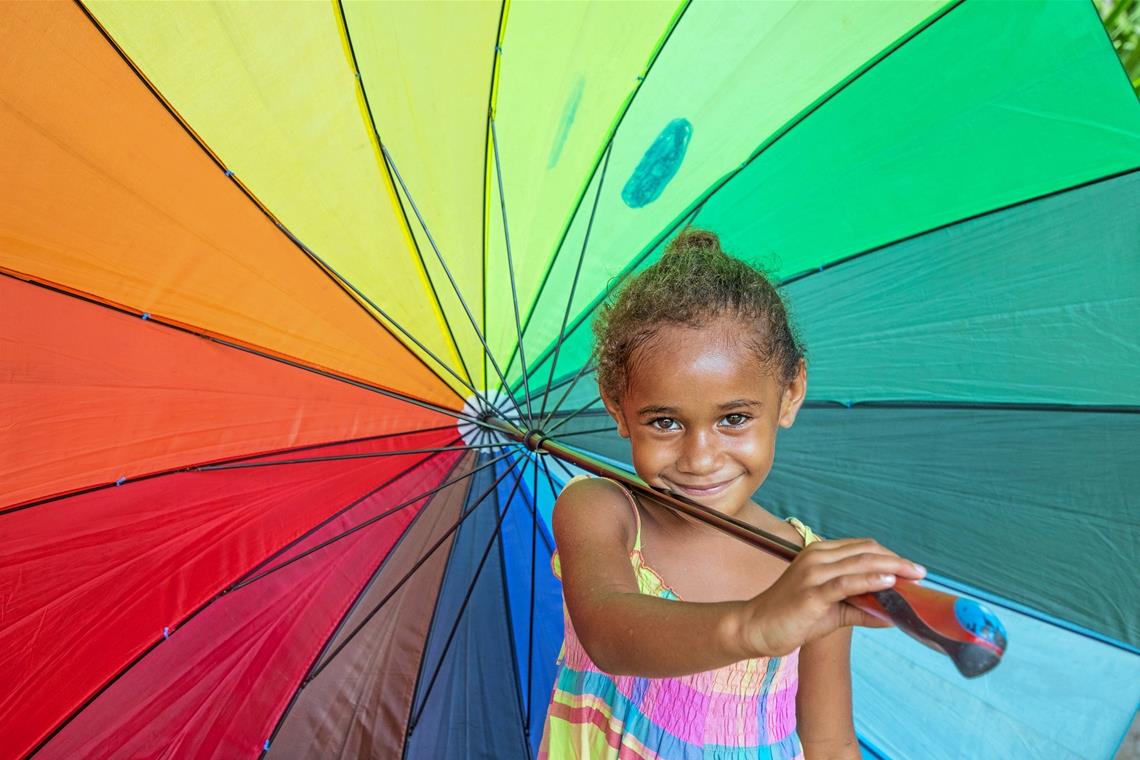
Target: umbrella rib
(514, 645)
(495, 535)
(360, 526)
(310, 446)
(511, 271)
(591, 413)
(228, 343)
(403, 331)
(626, 106)
(594, 431)
(682, 221)
(565, 469)
(240, 458)
(282, 550)
(533, 509)
(979, 215)
(553, 493)
(344, 457)
(358, 383)
(992, 406)
(296, 695)
(569, 417)
(574, 283)
(559, 383)
(316, 671)
(491, 97)
(566, 393)
(450, 278)
(530, 615)
(328, 271)
(343, 20)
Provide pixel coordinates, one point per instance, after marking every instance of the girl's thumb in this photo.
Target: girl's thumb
(852, 615)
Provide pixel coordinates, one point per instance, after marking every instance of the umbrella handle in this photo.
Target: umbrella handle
(965, 631)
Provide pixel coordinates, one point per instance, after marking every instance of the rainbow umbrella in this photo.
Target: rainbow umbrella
(270, 272)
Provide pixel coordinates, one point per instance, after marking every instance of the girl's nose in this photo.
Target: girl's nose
(699, 454)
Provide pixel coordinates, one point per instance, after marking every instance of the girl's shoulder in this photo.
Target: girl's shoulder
(590, 488)
(595, 511)
(597, 504)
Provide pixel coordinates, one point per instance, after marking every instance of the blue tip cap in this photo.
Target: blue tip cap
(979, 621)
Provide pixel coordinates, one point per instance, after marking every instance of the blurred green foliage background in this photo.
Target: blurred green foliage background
(1122, 20)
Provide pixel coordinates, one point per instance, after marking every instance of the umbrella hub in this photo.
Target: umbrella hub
(485, 419)
(533, 439)
(508, 429)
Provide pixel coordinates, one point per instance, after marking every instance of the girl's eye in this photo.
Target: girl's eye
(665, 423)
(736, 420)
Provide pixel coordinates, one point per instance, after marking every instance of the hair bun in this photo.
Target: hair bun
(694, 240)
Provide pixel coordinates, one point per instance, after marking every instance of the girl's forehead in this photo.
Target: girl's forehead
(708, 361)
(720, 340)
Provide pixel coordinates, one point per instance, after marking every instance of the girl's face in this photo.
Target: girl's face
(701, 413)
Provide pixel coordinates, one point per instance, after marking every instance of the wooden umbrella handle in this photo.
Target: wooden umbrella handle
(967, 632)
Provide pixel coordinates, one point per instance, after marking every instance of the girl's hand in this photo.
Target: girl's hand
(806, 602)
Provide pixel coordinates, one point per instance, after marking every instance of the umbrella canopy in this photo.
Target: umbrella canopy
(267, 269)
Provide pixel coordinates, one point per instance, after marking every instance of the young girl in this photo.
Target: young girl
(681, 641)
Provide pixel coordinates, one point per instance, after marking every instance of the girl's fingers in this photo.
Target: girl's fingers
(838, 589)
(882, 563)
(860, 574)
(838, 558)
(845, 547)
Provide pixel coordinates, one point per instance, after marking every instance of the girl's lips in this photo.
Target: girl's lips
(703, 491)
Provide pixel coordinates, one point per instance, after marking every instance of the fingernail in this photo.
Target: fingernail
(886, 578)
(919, 568)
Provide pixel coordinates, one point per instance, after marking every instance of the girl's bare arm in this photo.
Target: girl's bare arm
(823, 702)
(626, 632)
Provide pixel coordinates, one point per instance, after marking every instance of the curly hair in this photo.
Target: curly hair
(693, 283)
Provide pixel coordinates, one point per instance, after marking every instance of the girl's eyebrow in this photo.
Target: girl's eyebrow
(656, 410)
(739, 402)
(734, 404)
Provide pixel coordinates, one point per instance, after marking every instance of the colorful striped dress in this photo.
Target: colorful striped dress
(744, 710)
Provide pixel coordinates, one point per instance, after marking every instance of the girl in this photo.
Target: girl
(682, 641)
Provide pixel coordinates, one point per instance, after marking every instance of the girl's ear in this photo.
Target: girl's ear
(793, 397)
(615, 411)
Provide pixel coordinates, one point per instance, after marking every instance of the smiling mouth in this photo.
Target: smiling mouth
(699, 491)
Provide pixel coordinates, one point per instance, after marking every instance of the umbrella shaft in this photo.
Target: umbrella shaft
(536, 440)
(964, 630)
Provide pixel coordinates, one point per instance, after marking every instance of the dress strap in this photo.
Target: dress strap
(807, 534)
(636, 513)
